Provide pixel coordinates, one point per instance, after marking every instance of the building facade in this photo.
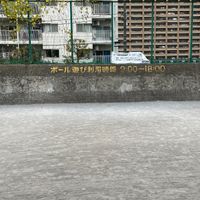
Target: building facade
(93, 37)
(175, 26)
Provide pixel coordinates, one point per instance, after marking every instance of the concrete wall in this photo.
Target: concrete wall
(105, 83)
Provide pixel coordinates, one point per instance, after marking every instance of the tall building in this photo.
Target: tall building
(91, 24)
(169, 21)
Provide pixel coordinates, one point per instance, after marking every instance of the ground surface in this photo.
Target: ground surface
(139, 151)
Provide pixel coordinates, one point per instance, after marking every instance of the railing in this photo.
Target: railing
(9, 35)
(178, 60)
(101, 59)
(101, 9)
(106, 59)
(7, 58)
(36, 35)
(5, 55)
(99, 35)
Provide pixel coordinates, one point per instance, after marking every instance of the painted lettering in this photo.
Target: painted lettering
(108, 69)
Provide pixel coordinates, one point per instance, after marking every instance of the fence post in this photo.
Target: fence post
(191, 30)
(71, 35)
(125, 20)
(112, 25)
(152, 32)
(30, 50)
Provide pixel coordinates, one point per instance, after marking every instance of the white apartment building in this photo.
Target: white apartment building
(91, 23)
(10, 40)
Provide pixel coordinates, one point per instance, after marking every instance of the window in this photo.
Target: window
(51, 28)
(51, 53)
(84, 28)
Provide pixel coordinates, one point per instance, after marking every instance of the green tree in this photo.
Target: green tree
(17, 11)
(80, 49)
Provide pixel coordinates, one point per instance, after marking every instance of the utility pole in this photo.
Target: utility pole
(125, 16)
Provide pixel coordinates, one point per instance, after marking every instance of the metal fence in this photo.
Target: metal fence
(10, 35)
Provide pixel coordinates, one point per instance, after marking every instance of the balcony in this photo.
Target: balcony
(11, 36)
(36, 35)
(101, 59)
(102, 35)
(101, 10)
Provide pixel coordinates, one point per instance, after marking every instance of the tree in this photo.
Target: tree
(18, 10)
(80, 49)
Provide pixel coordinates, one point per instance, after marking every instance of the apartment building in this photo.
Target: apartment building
(11, 39)
(169, 21)
(91, 23)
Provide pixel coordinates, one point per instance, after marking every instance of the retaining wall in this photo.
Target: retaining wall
(24, 84)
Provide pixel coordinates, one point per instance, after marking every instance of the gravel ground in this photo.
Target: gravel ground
(121, 151)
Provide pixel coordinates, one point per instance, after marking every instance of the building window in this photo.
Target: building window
(51, 28)
(84, 28)
(51, 53)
